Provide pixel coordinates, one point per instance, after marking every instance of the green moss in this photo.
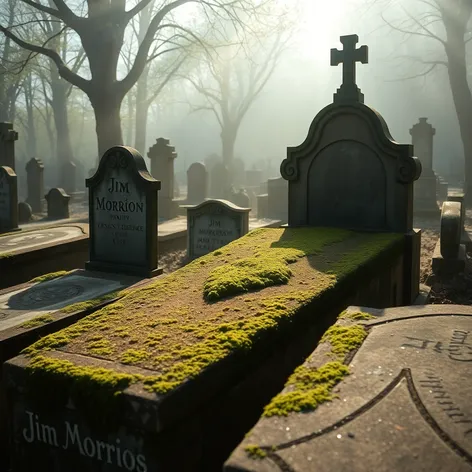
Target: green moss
(50, 276)
(100, 347)
(38, 321)
(311, 388)
(133, 356)
(344, 339)
(255, 452)
(356, 315)
(6, 255)
(92, 303)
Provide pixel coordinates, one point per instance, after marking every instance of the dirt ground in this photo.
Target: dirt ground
(457, 289)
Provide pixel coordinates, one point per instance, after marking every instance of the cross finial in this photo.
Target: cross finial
(348, 57)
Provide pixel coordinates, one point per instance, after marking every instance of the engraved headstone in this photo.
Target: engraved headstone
(213, 224)
(162, 156)
(58, 204)
(220, 184)
(408, 387)
(25, 213)
(8, 136)
(35, 182)
(425, 188)
(123, 214)
(8, 200)
(197, 183)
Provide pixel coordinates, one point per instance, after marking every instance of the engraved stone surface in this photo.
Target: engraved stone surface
(32, 239)
(21, 305)
(8, 199)
(405, 404)
(123, 214)
(213, 224)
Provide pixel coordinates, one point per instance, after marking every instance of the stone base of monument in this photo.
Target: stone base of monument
(29, 254)
(193, 373)
(425, 197)
(384, 390)
(447, 266)
(33, 310)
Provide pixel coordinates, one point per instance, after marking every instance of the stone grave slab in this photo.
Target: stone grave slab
(13, 243)
(213, 224)
(123, 215)
(191, 364)
(386, 390)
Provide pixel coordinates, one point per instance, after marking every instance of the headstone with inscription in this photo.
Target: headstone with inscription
(35, 182)
(405, 383)
(162, 156)
(213, 224)
(425, 188)
(123, 215)
(197, 183)
(8, 136)
(58, 204)
(8, 200)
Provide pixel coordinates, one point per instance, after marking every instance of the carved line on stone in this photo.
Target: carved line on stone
(414, 317)
(279, 462)
(422, 410)
(289, 168)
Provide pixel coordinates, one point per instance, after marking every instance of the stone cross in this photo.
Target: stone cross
(7, 145)
(348, 57)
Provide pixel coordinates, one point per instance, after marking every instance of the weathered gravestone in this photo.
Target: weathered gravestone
(35, 182)
(240, 198)
(220, 183)
(123, 215)
(7, 145)
(350, 173)
(58, 204)
(277, 199)
(213, 224)
(162, 157)
(425, 188)
(8, 200)
(395, 397)
(25, 213)
(197, 183)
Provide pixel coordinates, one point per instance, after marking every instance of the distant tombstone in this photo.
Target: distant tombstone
(25, 213)
(123, 215)
(253, 177)
(349, 172)
(213, 224)
(8, 200)
(425, 189)
(58, 204)
(35, 183)
(238, 172)
(197, 183)
(80, 175)
(219, 181)
(162, 156)
(277, 199)
(69, 172)
(8, 136)
(241, 198)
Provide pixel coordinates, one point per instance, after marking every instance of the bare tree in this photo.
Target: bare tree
(454, 18)
(101, 30)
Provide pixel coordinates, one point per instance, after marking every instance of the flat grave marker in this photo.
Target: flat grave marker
(123, 215)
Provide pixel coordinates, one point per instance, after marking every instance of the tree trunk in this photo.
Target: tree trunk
(129, 127)
(106, 108)
(4, 97)
(461, 94)
(142, 106)
(31, 143)
(228, 139)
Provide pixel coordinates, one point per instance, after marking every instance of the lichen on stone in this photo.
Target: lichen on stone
(38, 321)
(356, 315)
(49, 276)
(344, 339)
(255, 452)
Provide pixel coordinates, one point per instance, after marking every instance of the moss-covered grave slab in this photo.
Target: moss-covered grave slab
(384, 390)
(31, 253)
(139, 381)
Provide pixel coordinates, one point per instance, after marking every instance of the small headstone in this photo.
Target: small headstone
(123, 215)
(213, 224)
(197, 183)
(277, 199)
(241, 198)
(25, 213)
(8, 136)
(58, 204)
(8, 200)
(425, 188)
(35, 182)
(237, 171)
(262, 206)
(162, 156)
(69, 172)
(219, 181)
